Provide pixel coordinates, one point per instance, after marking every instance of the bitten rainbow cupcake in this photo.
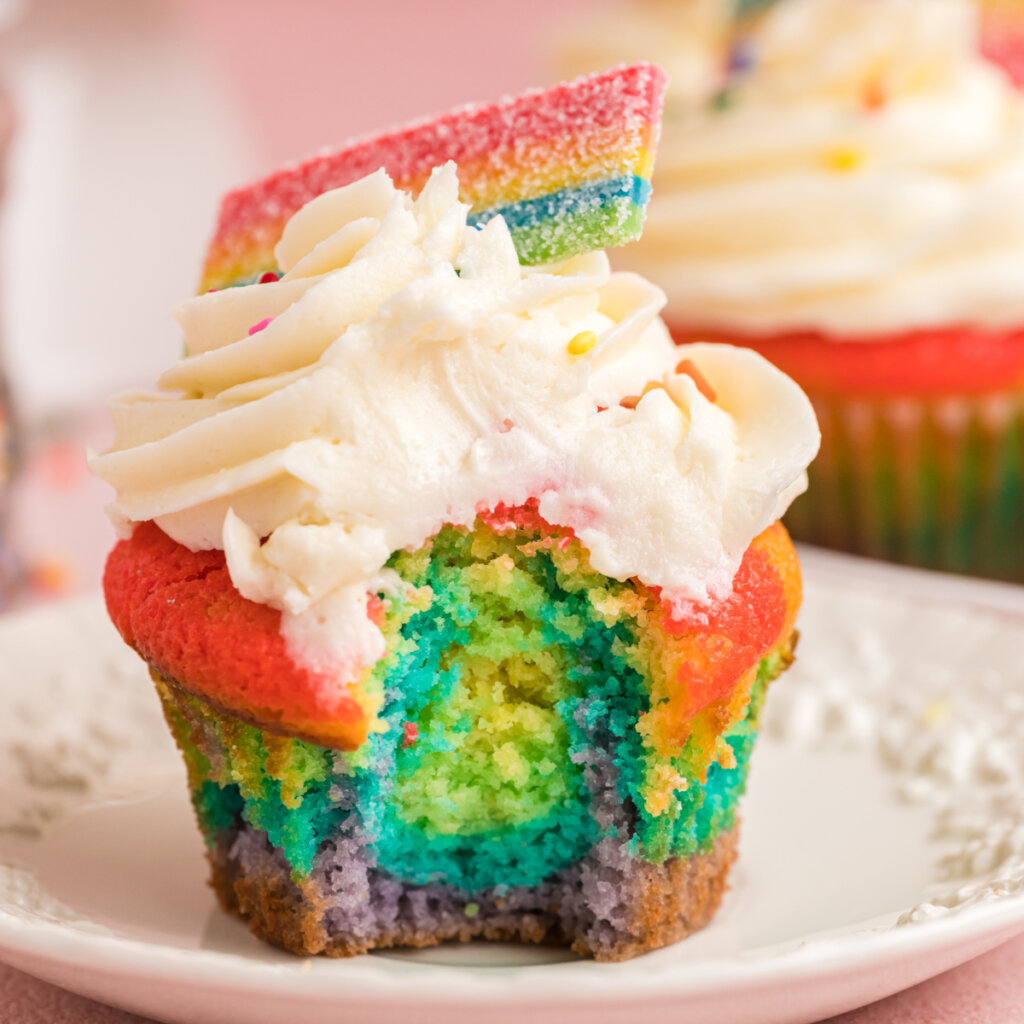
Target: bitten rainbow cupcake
(460, 583)
(851, 205)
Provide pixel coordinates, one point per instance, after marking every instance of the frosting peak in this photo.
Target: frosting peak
(407, 372)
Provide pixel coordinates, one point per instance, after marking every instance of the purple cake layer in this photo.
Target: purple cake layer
(610, 905)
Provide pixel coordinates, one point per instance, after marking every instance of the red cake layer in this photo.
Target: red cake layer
(954, 360)
(724, 640)
(180, 611)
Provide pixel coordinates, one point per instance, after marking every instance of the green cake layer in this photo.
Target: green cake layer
(514, 671)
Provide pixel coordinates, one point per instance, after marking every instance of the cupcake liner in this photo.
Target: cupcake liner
(933, 482)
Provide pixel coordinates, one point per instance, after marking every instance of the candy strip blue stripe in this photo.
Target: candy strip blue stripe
(528, 213)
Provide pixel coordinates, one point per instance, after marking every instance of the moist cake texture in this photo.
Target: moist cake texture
(535, 770)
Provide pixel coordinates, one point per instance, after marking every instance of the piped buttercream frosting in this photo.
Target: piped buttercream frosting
(406, 372)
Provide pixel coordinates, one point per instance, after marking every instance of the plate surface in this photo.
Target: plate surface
(882, 838)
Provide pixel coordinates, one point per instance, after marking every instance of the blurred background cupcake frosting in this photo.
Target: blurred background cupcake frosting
(860, 168)
(686, 38)
(848, 198)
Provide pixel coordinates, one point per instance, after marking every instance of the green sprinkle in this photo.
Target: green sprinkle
(723, 99)
(472, 909)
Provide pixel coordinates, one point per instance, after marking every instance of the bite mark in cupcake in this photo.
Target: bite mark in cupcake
(453, 644)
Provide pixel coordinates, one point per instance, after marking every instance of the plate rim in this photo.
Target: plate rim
(44, 942)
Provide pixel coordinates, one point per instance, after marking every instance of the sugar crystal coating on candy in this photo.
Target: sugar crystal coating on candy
(567, 167)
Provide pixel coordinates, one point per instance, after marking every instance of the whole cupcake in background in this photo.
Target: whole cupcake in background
(460, 583)
(851, 204)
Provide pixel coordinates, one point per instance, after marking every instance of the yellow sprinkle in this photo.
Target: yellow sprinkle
(307, 966)
(583, 342)
(844, 158)
(937, 712)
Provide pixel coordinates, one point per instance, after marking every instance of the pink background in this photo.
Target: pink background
(153, 109)
(313, 73)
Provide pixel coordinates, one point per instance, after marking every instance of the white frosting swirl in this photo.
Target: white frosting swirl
(412, 374)
(866, 175)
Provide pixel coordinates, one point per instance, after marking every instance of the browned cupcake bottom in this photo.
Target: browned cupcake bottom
(660, 904)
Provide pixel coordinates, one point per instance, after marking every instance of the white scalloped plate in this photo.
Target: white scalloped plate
(882, 840)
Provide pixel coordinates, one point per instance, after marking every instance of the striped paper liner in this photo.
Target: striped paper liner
(933, 482)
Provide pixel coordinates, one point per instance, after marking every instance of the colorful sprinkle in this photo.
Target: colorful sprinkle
(62, 465)
(843, 159)
(268, 277)
(582, 342)
(256, 328)
(875, 96)
(937, 713)
(52, 576)
(410, 733)
(689, 368)
(742, 57)
(723, 100)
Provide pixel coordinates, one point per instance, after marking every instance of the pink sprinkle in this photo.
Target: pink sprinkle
(564, 542)
(411, 733)
(266, 277)
(62, 465)
(256, 328)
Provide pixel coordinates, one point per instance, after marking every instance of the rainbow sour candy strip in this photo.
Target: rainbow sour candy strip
(567, 167)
